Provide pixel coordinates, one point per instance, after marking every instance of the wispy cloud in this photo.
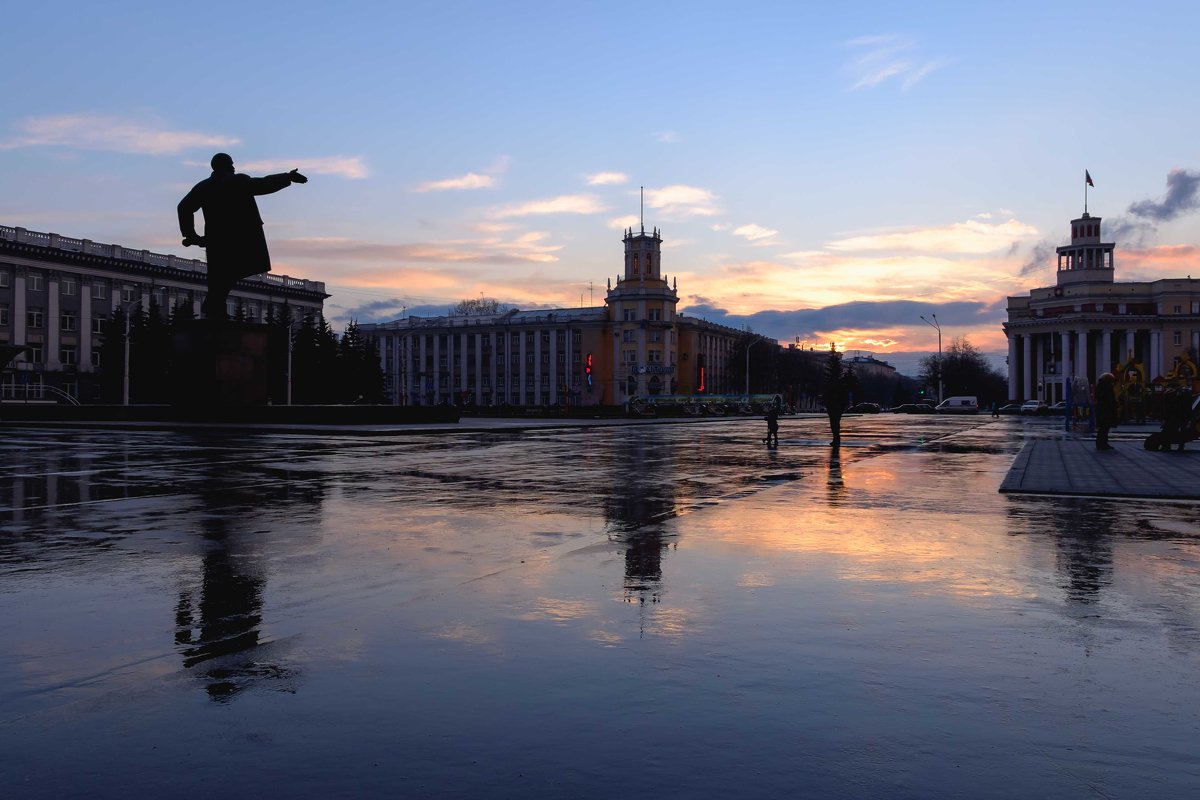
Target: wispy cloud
(352, 167)
(563, 204)
(607, 179)
(667, 137)
(472, 180)
(878, 59)
(683, 200)
(756, 234)
(621, 223)
(117, 134)
(485, 179)
(529, 248)
(974, 236)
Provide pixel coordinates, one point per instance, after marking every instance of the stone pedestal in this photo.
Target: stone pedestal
(220, 363)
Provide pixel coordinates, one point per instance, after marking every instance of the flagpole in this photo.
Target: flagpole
(1085, 192)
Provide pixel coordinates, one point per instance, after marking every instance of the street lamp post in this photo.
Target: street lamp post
(125, 377)
(752, 343)
(935, 324)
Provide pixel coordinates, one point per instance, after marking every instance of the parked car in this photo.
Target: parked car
(1033, 407)
(864, 408)
(913, 408)
(1058, 408)
(1011, 408)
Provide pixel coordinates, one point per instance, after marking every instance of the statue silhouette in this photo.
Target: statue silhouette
(233, 234)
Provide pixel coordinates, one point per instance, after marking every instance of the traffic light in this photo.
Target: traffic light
(587, 370)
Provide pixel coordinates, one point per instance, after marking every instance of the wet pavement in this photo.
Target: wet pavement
(1074, 466)
(667, 610)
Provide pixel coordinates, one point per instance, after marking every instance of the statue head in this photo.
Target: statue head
(222, 162)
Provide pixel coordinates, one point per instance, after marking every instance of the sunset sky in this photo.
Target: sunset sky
(818, 172)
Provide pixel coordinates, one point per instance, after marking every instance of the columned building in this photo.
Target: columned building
(635, 345)
(57, 293)
(1087, 323)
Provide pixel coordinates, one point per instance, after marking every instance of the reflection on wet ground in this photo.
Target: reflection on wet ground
(666, 610)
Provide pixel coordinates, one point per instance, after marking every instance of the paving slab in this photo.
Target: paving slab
(1076, 467)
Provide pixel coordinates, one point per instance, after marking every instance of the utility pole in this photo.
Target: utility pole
(935, 324)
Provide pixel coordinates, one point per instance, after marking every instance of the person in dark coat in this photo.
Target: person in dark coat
(233, 228)
(772, 418)
(1106, 409)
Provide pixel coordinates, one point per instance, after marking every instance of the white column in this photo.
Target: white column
(1104, 357)
(537, 366)
(495, 350)
(19, 307)
(1081, 362)
(84, 359)
(464, 383)
(53, 322)
(478, 369)
(424, 390)
(1040, 369)
(1155, 366)
(1066, 355)
(1013, 340)
(1027, 388)
(553, 366)
(411, 364)
(437, 365)
(521, 366)
(1130, 344)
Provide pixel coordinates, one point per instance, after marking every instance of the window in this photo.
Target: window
(33, 318)
(98, 323)
(231, 307)
(35, 354)
(3, 279)
(628, 336)
(67, 355)
(3, 316)
(1178, 309)
(629, 356)
(95, 358)
(1177, 338)
(36, 282)
(654, 356)
(655, 314)
(128, 294)
(159, 297)
(627, 315)
(99, 291)
(69, 287)
(656, 336)
(69, 321)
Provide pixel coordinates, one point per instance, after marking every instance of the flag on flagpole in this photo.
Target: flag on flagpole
(1087, 176)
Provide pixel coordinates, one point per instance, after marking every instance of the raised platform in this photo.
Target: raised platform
(1076, 467)
(15, 413)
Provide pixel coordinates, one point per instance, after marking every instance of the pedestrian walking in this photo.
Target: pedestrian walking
(772, 418)
(1106, 409)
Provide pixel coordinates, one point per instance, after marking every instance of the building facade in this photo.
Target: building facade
(634, 346)
(1087, 323)
(57, 293)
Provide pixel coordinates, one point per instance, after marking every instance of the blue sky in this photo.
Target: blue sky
(817, 173)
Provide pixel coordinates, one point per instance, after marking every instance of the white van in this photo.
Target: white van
(958, 405)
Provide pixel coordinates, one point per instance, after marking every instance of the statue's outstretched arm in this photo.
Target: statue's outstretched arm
(273, 183)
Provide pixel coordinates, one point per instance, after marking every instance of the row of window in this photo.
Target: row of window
(68, 355)
(652, 314)
(35, 317)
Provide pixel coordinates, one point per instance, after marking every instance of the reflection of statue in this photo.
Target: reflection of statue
(233, 234)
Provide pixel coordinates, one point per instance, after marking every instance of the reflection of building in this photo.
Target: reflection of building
(636, 512)
(1087, 323)
(634, 345)
(56, 293)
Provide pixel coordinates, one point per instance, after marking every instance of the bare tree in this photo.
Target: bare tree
(478, 306)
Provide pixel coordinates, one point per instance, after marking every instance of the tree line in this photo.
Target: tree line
(325, 368)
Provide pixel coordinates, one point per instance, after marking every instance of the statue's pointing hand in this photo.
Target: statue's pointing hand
(297, 177)
(188, 241)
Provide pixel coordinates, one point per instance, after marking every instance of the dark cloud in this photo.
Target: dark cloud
(807, 323)
(1039, 258)
(1181, 197)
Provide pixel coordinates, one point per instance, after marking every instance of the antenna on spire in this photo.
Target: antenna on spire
(642, 208)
